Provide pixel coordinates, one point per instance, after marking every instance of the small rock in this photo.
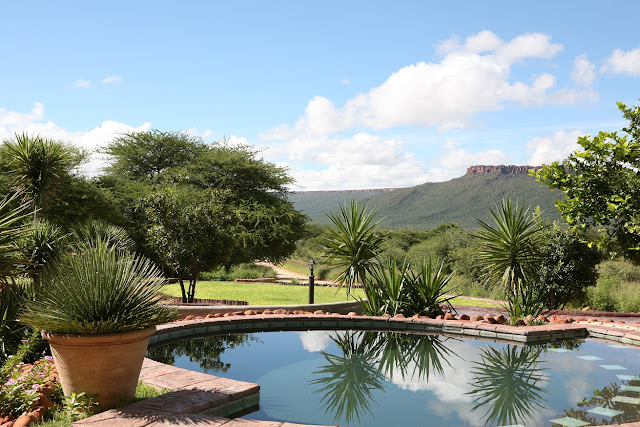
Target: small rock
(415, 316)
(267, 311)
(190, 318)
(490, 319)
(199, 317)
(208, 316)
(218, 315)
(386, 315)
(592, 319)
(476, 318)
(581, 319)
(308, 312)
(47, 389)
(529, 319)
(449, 316)
(586, 308)
(336, 314)
(24, 420)
(238, 313)
(607, 321)
(558, 320)
(352, 313)
(500, 319)
(228, 314)
(318, 312)
(542, 318)
(439, 317)
(620, 321)
(520, 322)
(465, 317)
(280, 311)
(250, 312)
(45, 402)
(399, 316)
(569, 319)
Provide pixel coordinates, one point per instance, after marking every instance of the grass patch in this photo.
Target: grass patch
(265, 293)
(474, 303)
(62, 418)
(274, 294)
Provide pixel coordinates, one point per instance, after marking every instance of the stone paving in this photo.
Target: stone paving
(198, 399)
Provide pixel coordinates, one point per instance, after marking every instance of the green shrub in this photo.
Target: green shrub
(242, 271)
(602, 296)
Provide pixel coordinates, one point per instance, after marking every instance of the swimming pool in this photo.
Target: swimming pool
(370, 378)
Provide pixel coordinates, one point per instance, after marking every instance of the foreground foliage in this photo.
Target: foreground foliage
(602, 186)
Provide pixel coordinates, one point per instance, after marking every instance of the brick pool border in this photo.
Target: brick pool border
(198, 399)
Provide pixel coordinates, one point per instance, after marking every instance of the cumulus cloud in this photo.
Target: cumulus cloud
(34, 122)
(472, 77)
(584, 72)
(458, 159)
(623, 62)
(549, 148)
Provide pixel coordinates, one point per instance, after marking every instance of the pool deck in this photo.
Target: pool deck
(199, 400)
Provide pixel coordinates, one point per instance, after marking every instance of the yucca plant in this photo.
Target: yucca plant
(95, 231)
(353, 244)
(99, 290)
(511, 255)
(429, 290)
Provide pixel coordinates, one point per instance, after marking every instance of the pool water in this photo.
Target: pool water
(370, 379)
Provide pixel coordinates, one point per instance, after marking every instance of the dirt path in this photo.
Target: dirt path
(285, 275)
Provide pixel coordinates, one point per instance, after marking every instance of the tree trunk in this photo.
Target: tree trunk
(184, 295)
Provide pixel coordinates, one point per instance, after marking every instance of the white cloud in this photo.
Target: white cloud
(34, 122)
(82, 84)
(472, 77)
(112, 80)
(314, 341)
(549, 148)
(623, 62)
(458, 159)
(584, 72)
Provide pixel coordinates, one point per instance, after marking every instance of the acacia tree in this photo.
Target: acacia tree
(189, 233)
(267, 225)
(601, 183)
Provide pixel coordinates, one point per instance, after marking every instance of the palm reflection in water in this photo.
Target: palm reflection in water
(507, 384)
(348, 381)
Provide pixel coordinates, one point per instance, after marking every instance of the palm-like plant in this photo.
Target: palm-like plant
(99, 290)
(38, 166)
(510, 255)
(508, 384)
(348, 381)
(353, 244)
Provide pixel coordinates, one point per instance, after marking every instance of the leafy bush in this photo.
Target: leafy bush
(99, 290)
(602, 296)
(568, 267)
(242, 271)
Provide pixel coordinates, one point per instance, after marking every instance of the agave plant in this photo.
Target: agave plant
(95, 232)
(508, 384)
(510, 256)
(99, 290)
(353, 244)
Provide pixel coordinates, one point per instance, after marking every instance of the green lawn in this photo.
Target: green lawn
(274, 294)
(264, 293)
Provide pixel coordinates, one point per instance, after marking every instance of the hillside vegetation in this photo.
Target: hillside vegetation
(460, 200)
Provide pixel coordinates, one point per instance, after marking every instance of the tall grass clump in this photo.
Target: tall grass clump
(99, 290)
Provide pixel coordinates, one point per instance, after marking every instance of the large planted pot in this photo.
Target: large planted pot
(104, 364)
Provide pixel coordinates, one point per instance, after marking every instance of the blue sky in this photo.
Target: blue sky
(348, 94)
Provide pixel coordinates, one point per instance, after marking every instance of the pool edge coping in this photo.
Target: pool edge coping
(134, 414)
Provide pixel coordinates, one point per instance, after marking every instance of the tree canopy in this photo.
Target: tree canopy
(601, 183)
(176, 192)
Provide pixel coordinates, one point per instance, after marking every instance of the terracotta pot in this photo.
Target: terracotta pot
(104, 364)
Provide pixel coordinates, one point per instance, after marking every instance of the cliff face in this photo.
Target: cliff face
(502, 169)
